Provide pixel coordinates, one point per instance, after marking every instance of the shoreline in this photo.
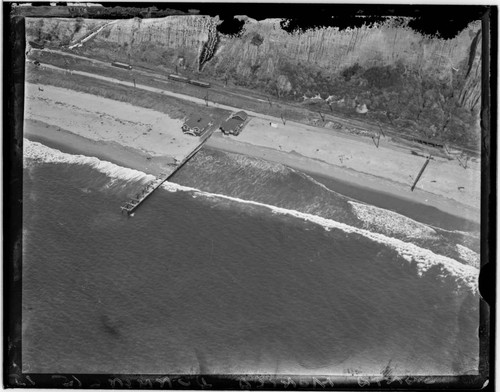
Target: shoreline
(348, 176)
(152, 142)
(69, 142)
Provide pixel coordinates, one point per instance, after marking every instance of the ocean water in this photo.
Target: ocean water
(237, 266)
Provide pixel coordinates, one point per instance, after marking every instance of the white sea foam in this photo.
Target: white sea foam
(34, 151)
(390, 222)
(468, 255)
(424, 259)
(261, 164)
(385, 221)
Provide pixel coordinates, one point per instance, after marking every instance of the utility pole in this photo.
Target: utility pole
(376, 139)
(283, 119)
(381, 130)
(206, 99)
(463, 162)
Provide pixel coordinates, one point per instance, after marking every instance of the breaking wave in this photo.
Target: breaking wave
(387, 223)
(244, 162)
(391, 223)
(468, 255)
(37, 152)
(424, 259)
(282, 186)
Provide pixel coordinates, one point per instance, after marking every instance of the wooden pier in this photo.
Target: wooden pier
(130, 206)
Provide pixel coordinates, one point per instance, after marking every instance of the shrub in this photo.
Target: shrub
(106, 32)
(257, 39)
(351, 71)
(382, 77)
(254, 68)
(78, 24)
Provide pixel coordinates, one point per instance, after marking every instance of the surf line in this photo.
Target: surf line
(40, 152)
(348, 198)
(423, 258)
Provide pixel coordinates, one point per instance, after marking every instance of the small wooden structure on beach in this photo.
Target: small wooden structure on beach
(196, 126)
(234, 124)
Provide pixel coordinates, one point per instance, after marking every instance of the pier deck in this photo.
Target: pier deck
(130, 206)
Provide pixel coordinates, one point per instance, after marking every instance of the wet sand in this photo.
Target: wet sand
(71, 143)
(350, 177)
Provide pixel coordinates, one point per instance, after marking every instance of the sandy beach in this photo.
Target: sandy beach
(150, 141)
(131, 129)
(390, 168)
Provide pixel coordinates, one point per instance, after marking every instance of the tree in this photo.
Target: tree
(283, 85)
(78, 24)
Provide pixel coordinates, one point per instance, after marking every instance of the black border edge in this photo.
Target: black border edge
(487, 279)
(13, 106)
(14, 55)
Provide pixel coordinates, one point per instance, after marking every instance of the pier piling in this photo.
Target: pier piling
(131, 205)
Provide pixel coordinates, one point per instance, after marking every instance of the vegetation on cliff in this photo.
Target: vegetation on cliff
(409, 100)
(387, 74)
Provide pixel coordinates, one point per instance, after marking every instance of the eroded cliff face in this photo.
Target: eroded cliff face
(264, 48)
(389, 68)
(333, 49)
(470, 93)
(172, 38)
